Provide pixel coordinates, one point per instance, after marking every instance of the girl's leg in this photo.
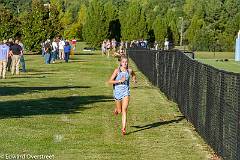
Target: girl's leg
(118, 108)
(125, 102)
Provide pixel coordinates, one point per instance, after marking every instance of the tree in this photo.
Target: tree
(33, 25)
(172, 20)
(52, 25)
(160, 30)
(9, 26)
(38, 24)
(193, 32)
(75, 30)
(133, 22)
(96, 27)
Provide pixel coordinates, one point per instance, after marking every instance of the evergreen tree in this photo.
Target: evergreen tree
(111, 19)
(208, 25)
(160, 30)
(193, 32)
(38, 24)
(53, 25)
(75, 30)
(133, 22)
(96, 28)
(173, 27)
(9, 26)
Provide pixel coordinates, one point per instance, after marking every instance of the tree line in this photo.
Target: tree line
(207, 25)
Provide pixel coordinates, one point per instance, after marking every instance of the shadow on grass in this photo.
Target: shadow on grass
(85, 53)
(27, 76)
(49, 106)
(142, 87)
(13, 82)
(156, 124)
(41, 73)
(77, 61)
(8, 91)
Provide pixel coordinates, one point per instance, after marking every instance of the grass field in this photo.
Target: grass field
(217, 60)
(230, 66)
(65, 110)
(216, 55)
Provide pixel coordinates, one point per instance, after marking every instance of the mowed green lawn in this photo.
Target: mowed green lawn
(218, 60)
(66, 110)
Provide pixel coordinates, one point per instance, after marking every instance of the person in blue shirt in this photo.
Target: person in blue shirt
(67, 49)
(4, 52)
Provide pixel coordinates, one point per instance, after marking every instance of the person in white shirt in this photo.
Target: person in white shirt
(54, 51)
(166, 44)
(61, 49)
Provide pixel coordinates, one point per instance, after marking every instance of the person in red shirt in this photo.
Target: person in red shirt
(74, 43)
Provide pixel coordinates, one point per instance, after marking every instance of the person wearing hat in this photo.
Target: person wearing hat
(4, 52)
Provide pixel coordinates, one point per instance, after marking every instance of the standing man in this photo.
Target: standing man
(54, 50)
(61, 49)
(16, 51)
(4, 52)
(22, 61)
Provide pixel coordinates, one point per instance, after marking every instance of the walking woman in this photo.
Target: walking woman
(121, 91)
(47, 51)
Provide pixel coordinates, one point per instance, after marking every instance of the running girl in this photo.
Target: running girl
(120, 80)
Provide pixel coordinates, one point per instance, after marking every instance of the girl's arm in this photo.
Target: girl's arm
(114, 75)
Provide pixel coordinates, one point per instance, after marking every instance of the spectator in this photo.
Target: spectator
(104, 47)
(156, 47)
(114, 45)
(67, 49)
(166, 44)
(16, 51)
(42, 46)
(61, 49)
(22, 61)
(9, 62)
(127, 45)
(122, 45)
(142, 44)
(4, 52)
(74, 44)
(47, 52)
(108, 44)
(54, 51)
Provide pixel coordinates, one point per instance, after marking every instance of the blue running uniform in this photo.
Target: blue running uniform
(121, 90)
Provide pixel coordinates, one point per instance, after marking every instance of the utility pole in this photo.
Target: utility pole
(181, 32)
